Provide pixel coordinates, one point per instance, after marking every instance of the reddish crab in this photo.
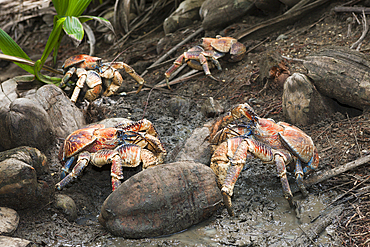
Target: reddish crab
(90, 71)
(280, 143)
(210, 49)
(128, 144)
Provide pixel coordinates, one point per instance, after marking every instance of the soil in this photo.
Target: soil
(263, 217)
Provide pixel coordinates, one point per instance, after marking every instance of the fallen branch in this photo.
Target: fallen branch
(162, 84)
(317, 228)
(352, 9)
(284, 19)
(317, 178)
(28, 62)
(365, 28)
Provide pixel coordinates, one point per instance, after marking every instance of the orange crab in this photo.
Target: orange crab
(210, 49)
(90, 71)
(288, 147)
(128, 144)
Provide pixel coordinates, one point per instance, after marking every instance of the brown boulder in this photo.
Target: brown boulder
(25, 179)
(342, 74)
(222, 12)
(302, 104)
(161, 200)
(38, 118)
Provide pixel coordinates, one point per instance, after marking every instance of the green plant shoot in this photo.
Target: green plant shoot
(67, 21)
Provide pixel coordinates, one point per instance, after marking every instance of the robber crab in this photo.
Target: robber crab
(128, 144)
(210, 49)
(90, 71)
(280, 143)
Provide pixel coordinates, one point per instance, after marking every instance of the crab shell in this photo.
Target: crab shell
(225, 45)
(82, 139)
(82, 61)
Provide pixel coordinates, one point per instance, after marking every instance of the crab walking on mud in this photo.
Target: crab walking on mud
(280, 143)
(128, 144)
(210, 49)
(90, 71)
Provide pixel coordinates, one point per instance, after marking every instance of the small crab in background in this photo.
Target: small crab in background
(97, 76)
(210, 49)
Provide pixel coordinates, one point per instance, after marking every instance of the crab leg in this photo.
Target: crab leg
(67, 76)
(130, 71)
(281, 168)
(250, 148)
(130, 155)
(299, 178)
(67, 165)
(82, 162)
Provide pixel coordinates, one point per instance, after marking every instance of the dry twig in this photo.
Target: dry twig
(365, 28)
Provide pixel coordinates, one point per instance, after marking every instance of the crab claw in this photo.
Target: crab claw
(244, 110)
(228, 204)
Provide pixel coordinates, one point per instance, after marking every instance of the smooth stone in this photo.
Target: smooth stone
(9, 220)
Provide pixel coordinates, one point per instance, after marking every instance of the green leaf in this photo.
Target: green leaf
(53, 39)
(56, 48)
(105, 22)
(74, 29)
(61, 6)
(77, 7)
(9, 47)
(44, 78)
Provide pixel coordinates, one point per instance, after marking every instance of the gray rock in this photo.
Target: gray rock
(302, 104)
(212, 108)
(37, 119)
(9, 220)
(184, 15)
(341, 73)
(196, 147)
(25, 179)
(8, 92)
(25, 122)
(111, 122)
(65, 117)
(222, 12)
(68, 206)
(14, 242)
(178, 105)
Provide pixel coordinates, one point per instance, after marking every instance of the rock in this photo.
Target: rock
(341, 73)
(8, 92)
(184, 15)
(68, 205)
(178, 105)
(269, 7)
(161, 200)
(9, 220)
(25, 123)
(289, 3)
(65, 117)
(37, 119)
(212, 108)
(196, 147)
(111, 122)
(25, 179)
(302, 104)
(270, 63)
(14, 242)
(222, 12)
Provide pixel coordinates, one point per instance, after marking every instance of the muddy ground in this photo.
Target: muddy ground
(263, 217)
